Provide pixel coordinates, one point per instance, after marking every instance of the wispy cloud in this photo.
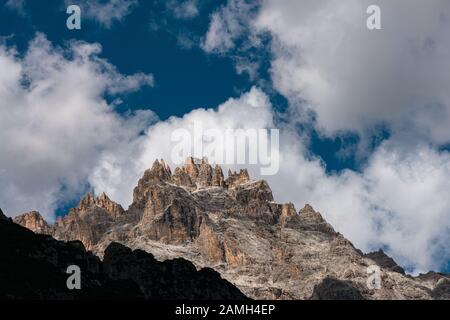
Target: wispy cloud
(228, 24)
(16, 5)
(185, 9)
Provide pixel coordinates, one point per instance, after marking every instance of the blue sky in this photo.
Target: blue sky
(183, 74)
(363, 115)
(184, 81)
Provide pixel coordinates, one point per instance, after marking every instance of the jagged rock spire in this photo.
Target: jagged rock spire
(218, 179)
(313, 220)
(235, 178)
(89, 201)
(160, 171)
(33, 221)
(309, 216)
(191, 168)
(384, 261)
(195, 173)
(205, 174)
(287, 212)
(199, 173)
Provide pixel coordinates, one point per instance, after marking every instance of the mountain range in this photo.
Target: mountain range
(196, 219)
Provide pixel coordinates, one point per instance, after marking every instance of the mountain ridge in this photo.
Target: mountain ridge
(234, 226)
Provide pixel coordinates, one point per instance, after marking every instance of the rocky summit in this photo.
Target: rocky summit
(233, 226)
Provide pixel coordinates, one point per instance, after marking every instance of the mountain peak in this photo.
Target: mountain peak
(267, 249)
(235, 178)
(313, 220)
(384, 261)
(103, 197)
(198, 173)
(194, 174)
(89, 201)
(309, 215)
(158, 172)
(34, 221)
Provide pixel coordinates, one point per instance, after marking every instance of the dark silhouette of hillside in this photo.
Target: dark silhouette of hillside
(34, 267)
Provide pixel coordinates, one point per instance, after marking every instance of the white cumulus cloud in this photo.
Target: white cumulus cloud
(397, 202)
(184, 9)
(55, 122)
(327, 63)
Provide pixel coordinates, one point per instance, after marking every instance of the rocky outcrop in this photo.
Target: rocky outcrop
(442, 289)
(232, 225)
(2, 215)
(34, 221)
(217, 177)
(102, 202)
(34, 267)
(89, 221)
(439, 281)
(385, 261)
(311, 220)
(196, 174)
(177, 224)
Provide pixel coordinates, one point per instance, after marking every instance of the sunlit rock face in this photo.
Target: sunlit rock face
(233, 225)
(34, 221)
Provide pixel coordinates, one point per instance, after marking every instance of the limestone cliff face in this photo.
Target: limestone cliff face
(102, 202)
(268, 250)
(89, 221)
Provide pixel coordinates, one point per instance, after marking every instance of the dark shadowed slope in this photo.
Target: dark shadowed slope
(233, 225)
(34, 266)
